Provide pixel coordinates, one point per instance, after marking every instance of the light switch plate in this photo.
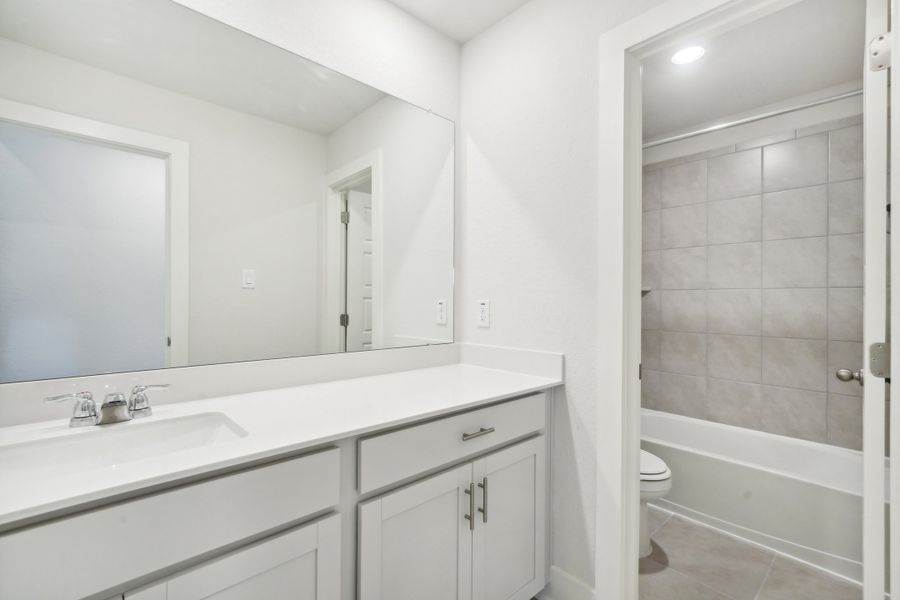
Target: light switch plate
(484, 313)
(248, 279)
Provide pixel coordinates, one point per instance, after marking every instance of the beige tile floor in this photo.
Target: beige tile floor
(693, 562)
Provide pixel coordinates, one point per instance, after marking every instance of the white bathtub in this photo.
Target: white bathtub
(797, 497)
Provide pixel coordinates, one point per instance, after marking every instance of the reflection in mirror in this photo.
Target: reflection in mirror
(175, 192)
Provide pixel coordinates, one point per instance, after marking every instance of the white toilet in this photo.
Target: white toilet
(656, 481)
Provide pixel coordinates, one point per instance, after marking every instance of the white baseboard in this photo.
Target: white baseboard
(563, 586)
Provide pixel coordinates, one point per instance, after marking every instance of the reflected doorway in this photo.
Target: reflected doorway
(357, 281)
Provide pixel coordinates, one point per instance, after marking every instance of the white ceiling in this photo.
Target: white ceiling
(167, 45)
(460, 20)
(810, 46)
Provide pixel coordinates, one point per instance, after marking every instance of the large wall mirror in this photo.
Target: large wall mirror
(175, 192)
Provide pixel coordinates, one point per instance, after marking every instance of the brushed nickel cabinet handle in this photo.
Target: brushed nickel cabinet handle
(484, 498)
(483, 431)
(471, 516)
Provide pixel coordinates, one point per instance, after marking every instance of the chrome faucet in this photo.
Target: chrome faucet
(85, 412)
(114, 409)
(139, 403)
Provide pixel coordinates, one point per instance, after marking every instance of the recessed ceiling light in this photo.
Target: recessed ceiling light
(688, 55)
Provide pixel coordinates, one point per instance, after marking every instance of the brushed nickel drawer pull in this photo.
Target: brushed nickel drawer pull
(478, 434)
(471, 516)
(484, 498)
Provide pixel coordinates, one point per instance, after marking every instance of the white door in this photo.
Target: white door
(303, 563)
(509, 551)
(416, 543)
(83, 257)
(877, 99)
(359, 271)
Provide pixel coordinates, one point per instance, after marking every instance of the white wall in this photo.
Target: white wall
(416, 210)
(526, 235)
(370, 40)
(262, 215)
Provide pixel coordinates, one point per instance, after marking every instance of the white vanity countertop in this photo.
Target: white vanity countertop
(275, 421)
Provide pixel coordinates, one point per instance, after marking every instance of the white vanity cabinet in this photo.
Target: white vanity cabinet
(302, 563)
(509, 555)
(416, 543)
(160, 531)
(475, 532)
(450, 506)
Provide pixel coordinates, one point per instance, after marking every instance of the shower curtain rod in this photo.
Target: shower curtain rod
(753, 119)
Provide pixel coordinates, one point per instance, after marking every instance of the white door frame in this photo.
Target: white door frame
(330, 294)
(176, 153)
(619, 222)
(874, 484)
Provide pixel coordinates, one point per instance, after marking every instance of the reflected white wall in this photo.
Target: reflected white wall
(417, 213)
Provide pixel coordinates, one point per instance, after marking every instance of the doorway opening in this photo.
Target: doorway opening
(351, 266)
(356, 276)
(759, 284)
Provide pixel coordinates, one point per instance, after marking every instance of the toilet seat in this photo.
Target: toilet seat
(653, 468)
(656, 483)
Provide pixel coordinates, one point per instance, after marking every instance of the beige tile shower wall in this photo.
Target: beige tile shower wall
(753, 262)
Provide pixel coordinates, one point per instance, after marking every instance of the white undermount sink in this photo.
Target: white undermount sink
(112, 446)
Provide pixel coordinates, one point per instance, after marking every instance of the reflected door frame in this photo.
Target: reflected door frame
(176, 154)
(331, 289)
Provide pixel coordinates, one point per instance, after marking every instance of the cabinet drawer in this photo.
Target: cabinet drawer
(154, 532)
(392, 457)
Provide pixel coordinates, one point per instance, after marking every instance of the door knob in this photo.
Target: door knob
(848, 375)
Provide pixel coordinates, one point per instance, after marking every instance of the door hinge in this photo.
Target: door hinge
(880, 360)
(345, 217)
(880, 52)
(345, 320)
(169, 342)
(640, 371)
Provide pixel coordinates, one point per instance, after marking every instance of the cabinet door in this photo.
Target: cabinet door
(303, 563)
(510, 534)
(416, 543)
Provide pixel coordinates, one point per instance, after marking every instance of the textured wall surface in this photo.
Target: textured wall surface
(527, 235)
(753, 262)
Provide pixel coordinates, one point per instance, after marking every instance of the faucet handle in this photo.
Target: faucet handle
(85, 411)
(139, 402)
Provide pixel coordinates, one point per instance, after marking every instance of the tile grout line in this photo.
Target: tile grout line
(786, 387)
(762, 296)
(765, 578)
(706, 399)
(827, 281)
(759, 241)
(660, 526)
